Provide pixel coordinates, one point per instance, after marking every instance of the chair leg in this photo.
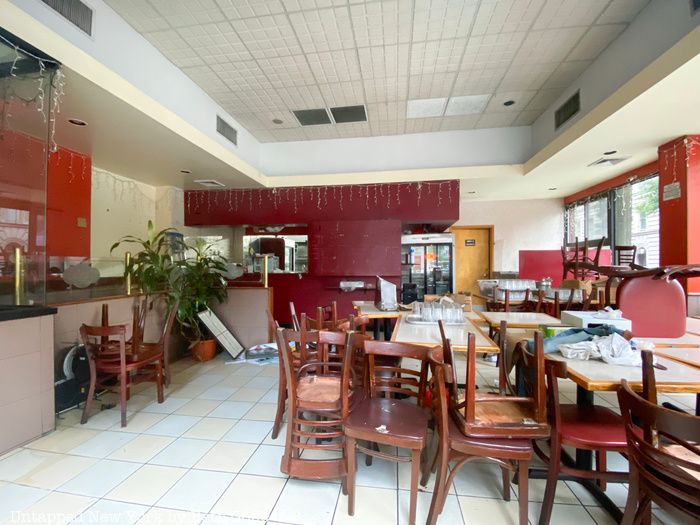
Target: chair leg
(552, 478)
(90, 396)
(632, 498)
(368, 458)
(350, 478)
(505, 474)
(441, 487)
(122, 396)
(159, 382)
(415, 475)
(601, 465)
(281, 400)
(523, 467)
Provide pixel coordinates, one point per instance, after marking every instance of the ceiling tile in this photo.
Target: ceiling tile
(440, 19)
(382, 23)
(205, 76)
(476, 81)
(423, 125)
(384, 61)
(438, 56)
(215, 43)
(343, 93)
(287, 71)
(299, 5)
(505, 16)
(236, 9)
(426, 107)
(386, 89)
(459, 122)
(431, 86)
(621, 11)
(354, 129)
(323, 29)
(335, 66)
(180, 13)
(140, 15)
(549, 45)
(543, 99)
(174, 48)
(526, 118)
(521, 99)
(568, 13)
(268, 36)
(492, 51)
(303, 97)
(320, 132)
(522, 77)
(595, 40)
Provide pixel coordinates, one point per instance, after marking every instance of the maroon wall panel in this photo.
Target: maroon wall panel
(416, 202)
(538, 264)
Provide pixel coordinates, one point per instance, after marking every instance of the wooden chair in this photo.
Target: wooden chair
(318, 401)
(593, 428)
(510, 454)
(625, 255)
(141, 349)
(663, 454)
(358, 324)
(108, 359)
(384, 419)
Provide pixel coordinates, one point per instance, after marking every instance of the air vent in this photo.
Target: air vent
(74, 11)
(312, 117)
(227, 130)
(567, 110)
(345, 114)
(210, 183)
(608, 161)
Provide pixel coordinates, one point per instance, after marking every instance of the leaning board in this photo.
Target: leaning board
(225, 338)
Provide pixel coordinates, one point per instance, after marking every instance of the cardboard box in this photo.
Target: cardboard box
(585, 319)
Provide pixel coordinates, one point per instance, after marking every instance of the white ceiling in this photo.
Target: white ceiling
(261, 59)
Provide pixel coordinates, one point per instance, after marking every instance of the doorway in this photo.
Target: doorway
(473, 257)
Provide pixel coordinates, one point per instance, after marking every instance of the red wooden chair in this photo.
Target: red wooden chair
(383, 419)
(663, 452)
(510, 453)
(656, 306)
(593, 428)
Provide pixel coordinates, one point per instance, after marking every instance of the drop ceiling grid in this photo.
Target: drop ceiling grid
(261, 59)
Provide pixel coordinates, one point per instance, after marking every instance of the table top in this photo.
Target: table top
(519, 319)
(692, 325)
(429, 335)
(595, 375)
(369, 309)
(687, 356)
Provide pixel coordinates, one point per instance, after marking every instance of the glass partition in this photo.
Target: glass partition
(286, 253)
(25, 139)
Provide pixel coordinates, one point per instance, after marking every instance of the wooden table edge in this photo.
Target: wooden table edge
(457, 348)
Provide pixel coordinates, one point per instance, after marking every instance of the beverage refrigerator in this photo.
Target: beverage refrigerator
(426, 262)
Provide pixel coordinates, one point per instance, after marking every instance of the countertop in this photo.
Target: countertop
(12, 313)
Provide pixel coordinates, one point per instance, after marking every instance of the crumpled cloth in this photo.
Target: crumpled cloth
(613, 349)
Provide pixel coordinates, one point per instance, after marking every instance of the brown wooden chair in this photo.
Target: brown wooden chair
(388, 416)
(663, 454)
(141, 349)
(511, 454)
(594, 428)
(358, 324)
(108, 359)
(319, 394)
(625, 255)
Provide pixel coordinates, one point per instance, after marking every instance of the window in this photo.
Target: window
(626, 215)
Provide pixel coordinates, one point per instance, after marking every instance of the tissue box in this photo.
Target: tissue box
(585, 319)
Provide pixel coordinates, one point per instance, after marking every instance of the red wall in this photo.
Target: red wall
(679, 161)
(354, 232)
(537, 264)
(68, 200)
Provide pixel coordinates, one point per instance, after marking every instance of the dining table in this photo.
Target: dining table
(527, 320)
(428, 333)
(370, 310)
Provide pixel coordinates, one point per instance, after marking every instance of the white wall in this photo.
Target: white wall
(518, 225)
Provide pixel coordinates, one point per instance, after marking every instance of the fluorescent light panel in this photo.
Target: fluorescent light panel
(467, 105)
(426, 107)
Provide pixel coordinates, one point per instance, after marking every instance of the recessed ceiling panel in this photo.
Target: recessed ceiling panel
(467, 105)
(426, 107)
(312, 117)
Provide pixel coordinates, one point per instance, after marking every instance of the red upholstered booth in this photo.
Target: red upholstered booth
(656, 307)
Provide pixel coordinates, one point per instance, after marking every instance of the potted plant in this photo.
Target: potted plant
(200, 283)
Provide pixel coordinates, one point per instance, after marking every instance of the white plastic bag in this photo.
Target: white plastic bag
(613, 349)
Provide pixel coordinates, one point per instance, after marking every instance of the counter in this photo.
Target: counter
(12, 312)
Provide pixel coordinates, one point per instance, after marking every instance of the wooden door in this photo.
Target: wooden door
(473, 257)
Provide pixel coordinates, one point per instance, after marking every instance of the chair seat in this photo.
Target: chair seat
(505, 448)
(592, 427)
(133, 362)
(374, 418)
(319, 392)
(683, 453)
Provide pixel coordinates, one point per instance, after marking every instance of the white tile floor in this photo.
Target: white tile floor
(205, 456)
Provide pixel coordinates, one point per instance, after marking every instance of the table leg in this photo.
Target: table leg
(375, 328)
(584, 458)
(387, 329)
(697, 404)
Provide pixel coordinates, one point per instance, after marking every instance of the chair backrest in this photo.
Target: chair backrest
(499, 415)
(668, 464)
(441, 385)
(106, 343)
(272, 326)
(295, 319)
(305, 344)
(625, 255)
(358, 324)
(656, 307)
(387, 379)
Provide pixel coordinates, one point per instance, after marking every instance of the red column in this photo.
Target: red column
(679, 203)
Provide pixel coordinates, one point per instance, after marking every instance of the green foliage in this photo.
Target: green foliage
(200, 284)
(649, 201)
(152, 268)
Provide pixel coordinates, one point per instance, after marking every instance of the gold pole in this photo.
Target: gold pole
(19, 276)
(265, 271)
(127, 262)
